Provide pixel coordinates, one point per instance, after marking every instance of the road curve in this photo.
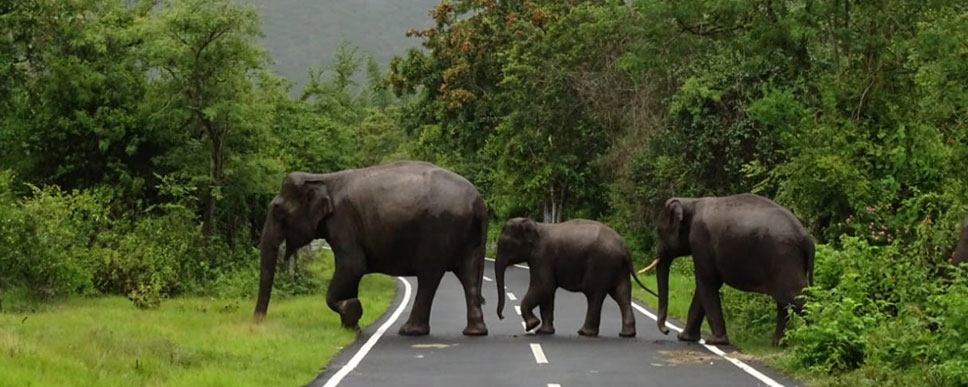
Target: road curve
(510, 357)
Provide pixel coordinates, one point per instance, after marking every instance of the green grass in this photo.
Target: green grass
(106, 341)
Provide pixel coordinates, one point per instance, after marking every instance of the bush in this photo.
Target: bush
(47, 239)
(885, 311)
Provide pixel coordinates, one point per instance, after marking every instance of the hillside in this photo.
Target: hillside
(300, 34)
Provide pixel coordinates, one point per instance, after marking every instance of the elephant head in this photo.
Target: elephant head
(673, 232)
(293, 216)
(515, 245)
(961, 251)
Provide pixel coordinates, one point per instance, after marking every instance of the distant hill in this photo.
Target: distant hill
(305, 33)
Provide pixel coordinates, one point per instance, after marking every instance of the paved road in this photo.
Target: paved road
(510, 357)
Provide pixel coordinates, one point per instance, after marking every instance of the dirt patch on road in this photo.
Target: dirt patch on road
(674, 358)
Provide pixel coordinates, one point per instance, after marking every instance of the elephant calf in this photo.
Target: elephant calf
(577, 255)
(746, 241)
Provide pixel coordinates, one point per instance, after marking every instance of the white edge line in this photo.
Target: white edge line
(714, 349)
(539, 355)
(348, 367)
(512, 297)
(518, 266)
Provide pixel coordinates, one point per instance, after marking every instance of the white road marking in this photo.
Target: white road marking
(539, 355)
(554, 385)
(512, 297)
(525, 326)
(714, 349)
(517, 309)
(518, 266)
(355, 361)
(487, 279)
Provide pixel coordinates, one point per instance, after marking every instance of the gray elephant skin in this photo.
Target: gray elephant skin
(961, 250)
(403, 219)
(577, 255)
(746, 241)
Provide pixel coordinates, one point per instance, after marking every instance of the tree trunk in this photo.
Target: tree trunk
(216, 175)
(553, 206)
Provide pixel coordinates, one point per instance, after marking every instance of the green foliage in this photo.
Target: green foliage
(881, 311)
(47, 240)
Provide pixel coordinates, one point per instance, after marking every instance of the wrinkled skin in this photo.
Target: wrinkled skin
(745, 241)
(402, 219)
(961, 251)
(578, 256)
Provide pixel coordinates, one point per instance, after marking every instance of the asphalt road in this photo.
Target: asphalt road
(508, 356)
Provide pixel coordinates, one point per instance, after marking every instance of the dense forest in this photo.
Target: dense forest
(141, 143)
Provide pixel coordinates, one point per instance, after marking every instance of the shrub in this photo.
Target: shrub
(47, 239)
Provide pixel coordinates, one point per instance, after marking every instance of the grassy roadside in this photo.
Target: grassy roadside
(750, 318)
(106, 341)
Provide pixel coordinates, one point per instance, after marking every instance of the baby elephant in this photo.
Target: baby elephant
(577, 255)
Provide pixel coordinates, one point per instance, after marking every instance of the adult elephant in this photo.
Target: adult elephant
(746, 241)
(405, 219)
(961, 250)
(579, 256)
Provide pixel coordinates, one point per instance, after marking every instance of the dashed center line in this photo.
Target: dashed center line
(517, 309)
(512, 297)
(554, 385)
(488, 279)
(539, 355)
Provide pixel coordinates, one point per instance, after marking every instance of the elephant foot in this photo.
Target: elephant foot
(627, 332)
(414, 329)
(475, 329)
(350, 312)
(690, 337)
(718, 340)
(588, 332)
(530, 323)
(545, 330)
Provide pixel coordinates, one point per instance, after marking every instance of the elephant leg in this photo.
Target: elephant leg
(782, 316)
(547, 315)
(419, 322)
(470, 275)
(531, 299)
(693, 320)
(594, 315)
(622, 294)
(341, 296)
(708, 290)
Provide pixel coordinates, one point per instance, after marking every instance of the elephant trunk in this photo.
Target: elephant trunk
(662, 277)
(500, 264)
(269, 247)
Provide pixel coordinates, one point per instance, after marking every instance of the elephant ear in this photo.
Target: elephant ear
(318, 200)
(529, 230)
(674, 207)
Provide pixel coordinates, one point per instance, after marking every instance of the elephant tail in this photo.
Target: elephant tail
(808, 250)
(631, 268)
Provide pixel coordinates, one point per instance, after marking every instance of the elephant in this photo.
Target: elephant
(405, 218)
(579, 256)
(961, 250)
(746, 241)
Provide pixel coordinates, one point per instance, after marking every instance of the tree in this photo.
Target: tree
(71, 93)
(206, 58)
